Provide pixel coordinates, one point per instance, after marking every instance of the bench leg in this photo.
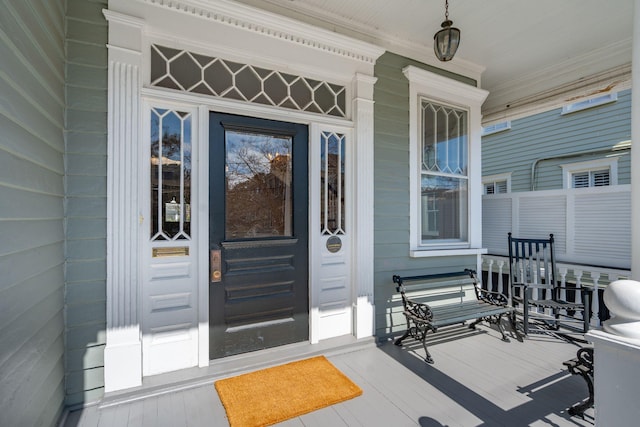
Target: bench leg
(514, 326)
(579, 408)
(419, 333)
(406, 334)
(497, 320)
(427, 357)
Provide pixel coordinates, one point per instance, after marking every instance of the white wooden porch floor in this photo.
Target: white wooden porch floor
(477, 380)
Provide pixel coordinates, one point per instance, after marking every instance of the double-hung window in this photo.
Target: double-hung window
(445, 180)
(444, 173)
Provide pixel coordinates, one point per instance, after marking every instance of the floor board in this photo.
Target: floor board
(476, 380)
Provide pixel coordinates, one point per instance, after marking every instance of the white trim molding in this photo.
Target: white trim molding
(427, 85)
(363, 155)
(272, 25)
(234, 32)
(123, 351)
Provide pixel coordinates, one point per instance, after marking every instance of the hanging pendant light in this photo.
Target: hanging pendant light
(446, 41)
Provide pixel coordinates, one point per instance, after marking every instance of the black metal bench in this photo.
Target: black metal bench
(582, 365)
(447, 299)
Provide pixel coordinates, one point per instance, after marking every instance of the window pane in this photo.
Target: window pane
(444, 208)
(170, 175)
(258, 180)
(332, 183)
(581, 180)
(600, 178)
(444, 139)
(501, 187)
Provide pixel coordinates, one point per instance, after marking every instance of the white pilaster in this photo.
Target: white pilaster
(635, 149)
(363, 250)
(123, 352)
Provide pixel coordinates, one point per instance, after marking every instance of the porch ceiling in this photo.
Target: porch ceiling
(524, 47)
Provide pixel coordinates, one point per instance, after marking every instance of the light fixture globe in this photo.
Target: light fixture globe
(446, 41)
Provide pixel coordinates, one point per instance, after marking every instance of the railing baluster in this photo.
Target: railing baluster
(595, 303)
(490, 276)
(500, 280)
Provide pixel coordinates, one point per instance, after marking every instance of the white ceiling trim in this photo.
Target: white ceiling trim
(273, 25)
(614, 80)
(571, 72)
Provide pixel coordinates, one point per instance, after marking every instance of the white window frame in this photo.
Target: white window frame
(496, 128)
(492, 179)
(585, 104)
(427, 85)
(568, 169)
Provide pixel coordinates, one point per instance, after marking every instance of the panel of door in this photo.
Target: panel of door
(258, 216)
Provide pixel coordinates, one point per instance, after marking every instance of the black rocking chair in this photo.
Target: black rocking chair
(536, 291)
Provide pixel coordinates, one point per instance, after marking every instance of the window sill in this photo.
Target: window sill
(427, 253)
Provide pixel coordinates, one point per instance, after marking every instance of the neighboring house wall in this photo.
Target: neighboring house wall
(591, 225)
(391, 186)
(31, 212)
(86, 158)
(551, 133)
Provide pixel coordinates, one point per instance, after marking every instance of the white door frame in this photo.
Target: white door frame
(250, 36)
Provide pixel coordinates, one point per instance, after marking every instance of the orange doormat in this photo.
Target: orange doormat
(276, 394)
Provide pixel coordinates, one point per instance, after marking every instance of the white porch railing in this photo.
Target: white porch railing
(591, 277)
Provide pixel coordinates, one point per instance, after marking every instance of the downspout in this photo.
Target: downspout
(624, 145)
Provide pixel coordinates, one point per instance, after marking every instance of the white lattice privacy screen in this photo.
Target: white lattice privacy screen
(191, 72)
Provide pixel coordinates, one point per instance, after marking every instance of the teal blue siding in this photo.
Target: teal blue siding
(550, 134)
(391, 186)
(31, 212)
(86, 201)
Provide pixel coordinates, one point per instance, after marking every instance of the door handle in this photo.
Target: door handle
(215, 265)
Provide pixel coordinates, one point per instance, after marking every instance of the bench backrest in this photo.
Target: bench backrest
(438, 289)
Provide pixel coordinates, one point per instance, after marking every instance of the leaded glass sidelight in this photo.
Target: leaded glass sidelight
(332, 183)
(170, 174)
(444, 173)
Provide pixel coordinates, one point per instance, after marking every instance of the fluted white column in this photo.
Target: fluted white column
(363, 265)
(123, 352)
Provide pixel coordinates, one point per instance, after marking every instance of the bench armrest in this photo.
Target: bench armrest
(585, 356)
(492, 297)
(418, 310)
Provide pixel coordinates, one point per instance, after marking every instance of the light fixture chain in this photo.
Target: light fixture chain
(446, 10)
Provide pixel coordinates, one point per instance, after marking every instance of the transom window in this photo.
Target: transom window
(444, 179)
(191, 72)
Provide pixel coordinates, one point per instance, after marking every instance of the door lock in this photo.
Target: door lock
(215, 265)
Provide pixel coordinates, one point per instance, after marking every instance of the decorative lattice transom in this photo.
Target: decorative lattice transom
(190, 72)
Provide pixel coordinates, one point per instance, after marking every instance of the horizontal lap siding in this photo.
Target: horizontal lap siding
(549, 134)
(391, 202)
(31, 212)
(86, 140)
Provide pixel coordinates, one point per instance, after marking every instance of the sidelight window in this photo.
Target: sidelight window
(170, 174)
(332, 182)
